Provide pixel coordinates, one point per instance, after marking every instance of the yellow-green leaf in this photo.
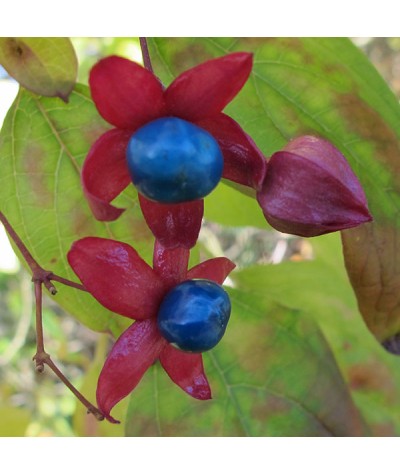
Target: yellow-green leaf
(14, 421)
(46, 66)
(43, 144)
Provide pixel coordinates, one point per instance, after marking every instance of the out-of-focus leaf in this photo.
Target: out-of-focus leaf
(322, 289)
(228, 207)
(14, 421)
(46, 66)
(43, 143)
(373, 264)
(324, 87)
(272, 375)
(84, 424)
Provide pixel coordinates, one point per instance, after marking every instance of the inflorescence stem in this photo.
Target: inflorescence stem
(42, 277)
(145, 54)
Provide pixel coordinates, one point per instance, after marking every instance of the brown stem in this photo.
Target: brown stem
(145, 54)
(41, 277)
(64, 281)
(89, 406)
(38, 273)
(21, 246)
(39, 326)
(42, 358)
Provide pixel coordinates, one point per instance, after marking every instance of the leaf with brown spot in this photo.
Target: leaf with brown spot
(374, 271)
(45, 66)
(272, 374)
(325, 87)
(43, 143)
(321, 289)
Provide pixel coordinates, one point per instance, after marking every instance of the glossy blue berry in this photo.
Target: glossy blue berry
(171, 160)
(194, 314)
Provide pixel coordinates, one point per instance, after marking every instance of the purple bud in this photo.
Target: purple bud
(309, 189)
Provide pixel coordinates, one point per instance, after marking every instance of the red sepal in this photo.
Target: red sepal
(105, 173)
(186, 370)
(207, 88)
(132, 354)
(216, 269)
(170, 264)
(117, 277)
(243, 161)
(174, 225)
(126, 94)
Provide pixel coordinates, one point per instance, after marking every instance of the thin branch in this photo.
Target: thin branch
(145, 54)
(42, 358)
(42, 277)
(68, 282)
(40, 352)
(18, 242)
(38, 273)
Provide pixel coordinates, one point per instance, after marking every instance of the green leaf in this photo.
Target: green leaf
(228, 207)
(46, 66)
(14, 421)
(322, 289)
(324, 87)
(84, 424)
(272, 375)
(43, 143)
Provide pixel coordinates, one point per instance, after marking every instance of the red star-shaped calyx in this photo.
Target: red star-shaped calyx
(115, 274)
(129, 96)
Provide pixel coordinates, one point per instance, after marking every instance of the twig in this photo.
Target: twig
(145, 54)
(41, 277)
(38, 273)
(42, 358)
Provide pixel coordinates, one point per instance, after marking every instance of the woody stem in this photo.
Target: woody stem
(145, 54)
(42, 358)
(38, 273)
(42, 277)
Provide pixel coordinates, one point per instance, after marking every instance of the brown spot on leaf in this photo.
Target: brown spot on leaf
(270, 406)
(81, 220)
(372, 376)
(32, 162)
(17, 48)
(368, 124)
(384, 430)
(188, 57)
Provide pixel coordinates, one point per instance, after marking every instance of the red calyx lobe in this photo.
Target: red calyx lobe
(244, 163)
(115, 274)
(206, 89)
(309, 189)
(176, 225)
(126, 94)
(105, 173)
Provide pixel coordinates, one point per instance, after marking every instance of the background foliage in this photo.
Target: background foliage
(298, 358)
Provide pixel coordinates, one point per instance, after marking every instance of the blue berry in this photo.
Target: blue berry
(194, 314)
(171, 160)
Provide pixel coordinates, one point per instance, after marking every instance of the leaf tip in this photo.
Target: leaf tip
(63, 96)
